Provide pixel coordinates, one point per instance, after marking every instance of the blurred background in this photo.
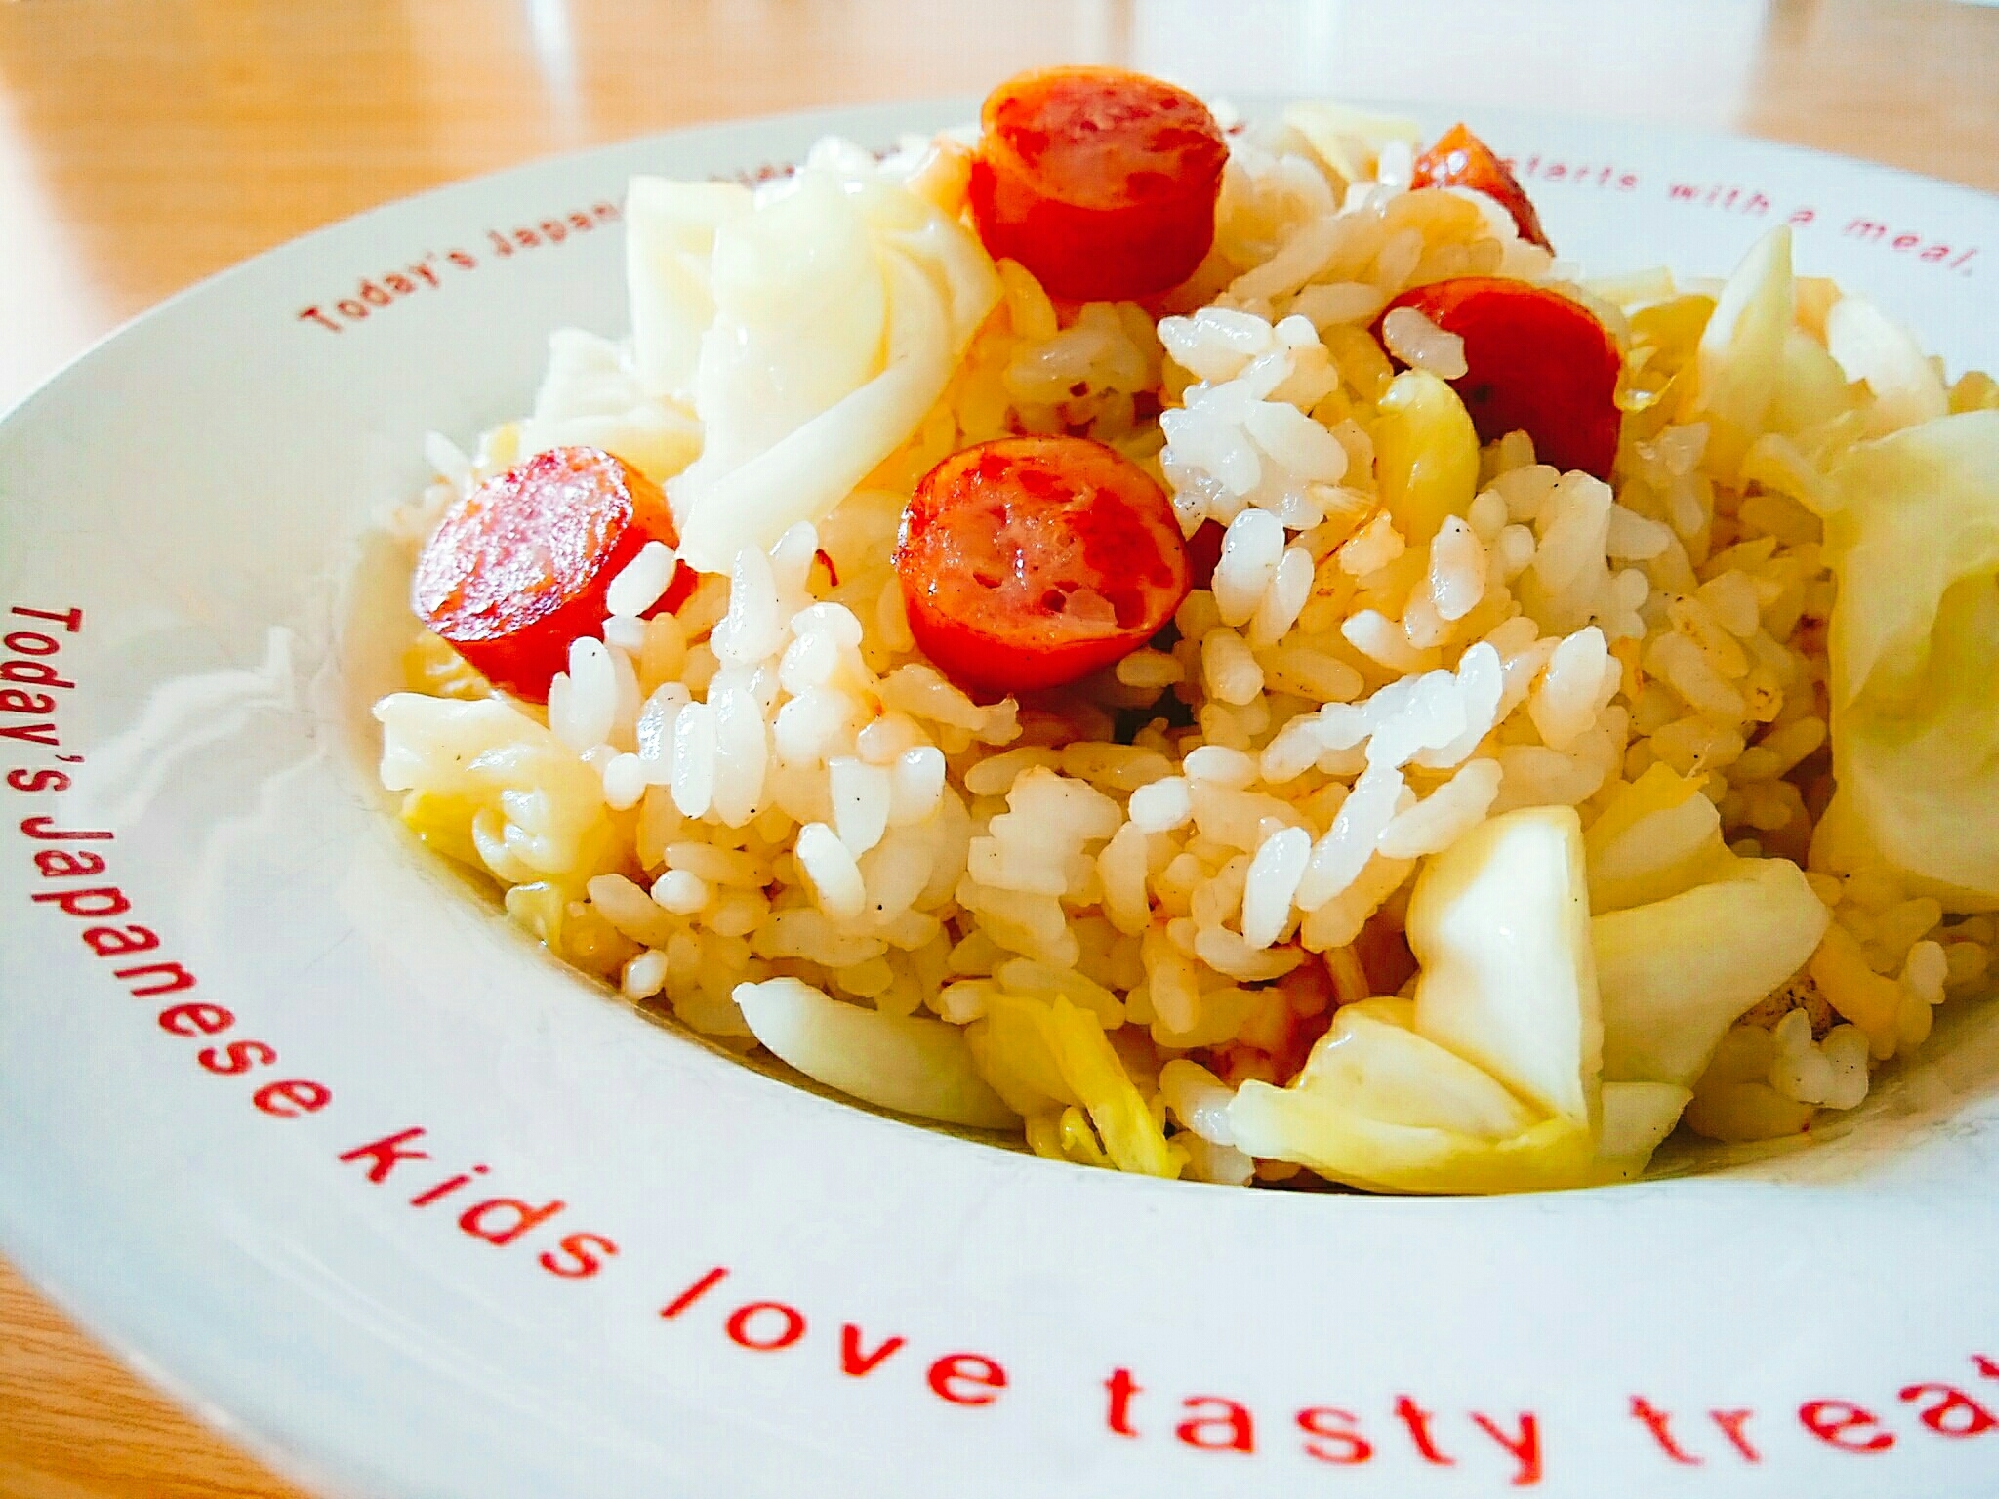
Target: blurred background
(147, 143)
(143, 146)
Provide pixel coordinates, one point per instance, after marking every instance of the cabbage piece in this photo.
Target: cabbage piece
(589, 398)
(1377, 1064)
(1490, 1079)
(804, 476)
(1637, 1117)
(841, 309)
(1740, 361)
(1812, 389)
(906, 1063)
(800, 307)
(1499, 923)
(1657, 837)
(1872, 346)
(1677, 973)
(1380, 1107)
(490, 786)
(1349, 140)
(669, 243)
(1914, 543)
(1043, 1055)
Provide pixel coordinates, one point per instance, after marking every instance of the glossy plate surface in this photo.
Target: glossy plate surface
(860, 1306)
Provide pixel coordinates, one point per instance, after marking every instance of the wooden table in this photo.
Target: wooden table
(145, 145)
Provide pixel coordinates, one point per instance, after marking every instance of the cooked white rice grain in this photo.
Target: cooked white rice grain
(1414, 339)
(1445, 815)
(862, 794)
(1271, 881)
(644, 976)
(1487, 515)
(583, 702)
(1383, 642)
(1457, 569)
(1229, 672)
(624, 781)
(641, 581)
(682, 893)
(1251, 549)
(1283, 600)
(830, 870)
(693, 784)
(626, 634)
(1163, 806)
(1573, 689)
(1338, 858)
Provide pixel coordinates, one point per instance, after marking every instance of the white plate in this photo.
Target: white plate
(193, 489)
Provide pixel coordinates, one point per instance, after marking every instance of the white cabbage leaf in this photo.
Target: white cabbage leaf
(669, 245)
(1869, 345)
(910, 1064)
(800, 306)
(590, 398)
(1738, 366)
(839, 307)
(1637, 1117)
(1487, 1081)
(1499, 923)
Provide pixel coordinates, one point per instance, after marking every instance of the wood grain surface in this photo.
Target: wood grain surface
(145, 145)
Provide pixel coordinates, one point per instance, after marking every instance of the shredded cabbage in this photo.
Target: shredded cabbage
(831, 311)
(590, 398)
(1043, 1056)
(669, 242)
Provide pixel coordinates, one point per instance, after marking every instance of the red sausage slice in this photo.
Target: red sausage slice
(1535, 362)
(1461, 159)
(1031, 561)
(1101, 182)
(519, 568)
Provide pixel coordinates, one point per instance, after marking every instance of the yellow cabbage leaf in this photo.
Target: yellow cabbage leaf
(1677, 973)
(1657, 837)
(1871, 346)
(1349, 140)
(1045, 1055)
(1637, 1117)
(1914, 542)
(1380, 1107)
